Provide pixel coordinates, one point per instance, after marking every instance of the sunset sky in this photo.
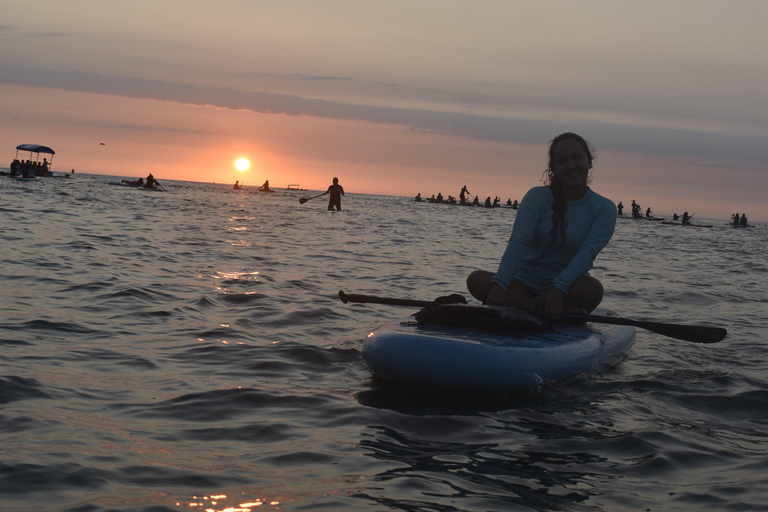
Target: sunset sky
(398, 97)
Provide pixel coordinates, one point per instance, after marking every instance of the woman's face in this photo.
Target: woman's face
(570, 163)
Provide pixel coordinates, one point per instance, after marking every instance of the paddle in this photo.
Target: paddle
(372, 299)
(695, 333)
(305, 199)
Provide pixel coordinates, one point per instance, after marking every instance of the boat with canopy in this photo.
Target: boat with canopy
(29, 165)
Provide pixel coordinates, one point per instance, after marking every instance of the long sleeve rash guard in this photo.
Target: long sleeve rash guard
(540, 263)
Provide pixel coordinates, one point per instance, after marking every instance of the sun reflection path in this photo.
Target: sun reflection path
(245, 276)
(207, 503)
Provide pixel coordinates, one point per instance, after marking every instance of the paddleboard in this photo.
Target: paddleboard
(468, 359)
(689, 224)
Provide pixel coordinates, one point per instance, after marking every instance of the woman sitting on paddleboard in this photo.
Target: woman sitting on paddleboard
(559, 230)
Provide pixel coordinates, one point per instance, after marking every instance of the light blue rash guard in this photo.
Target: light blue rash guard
(538, 262)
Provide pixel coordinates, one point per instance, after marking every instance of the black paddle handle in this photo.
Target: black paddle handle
(372, 299)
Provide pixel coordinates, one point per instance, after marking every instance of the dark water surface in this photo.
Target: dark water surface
(187, 351)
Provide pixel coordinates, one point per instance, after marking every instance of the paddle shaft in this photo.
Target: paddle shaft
(305, 199)
(695, 333)
(372, 299)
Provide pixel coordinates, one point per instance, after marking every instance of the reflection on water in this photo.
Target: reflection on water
(222, 503)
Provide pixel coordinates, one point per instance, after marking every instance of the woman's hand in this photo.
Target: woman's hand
(552, 302)
(497, 296)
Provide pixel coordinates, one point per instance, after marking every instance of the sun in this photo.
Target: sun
(242, 164)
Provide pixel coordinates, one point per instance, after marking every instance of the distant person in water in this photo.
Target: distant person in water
(476, 201)
(675, 216)
(151, 182)
(743, 221)
(648, 213)
(736, 220)
(686, 218)
(336, 192)
(137, 183)
(238, 186)
(265, 187)
(620, 208)
(559, 229)
(418, 197)
(463, 195)
(488, 203)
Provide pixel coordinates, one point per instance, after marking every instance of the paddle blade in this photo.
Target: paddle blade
(694, 333)
(303, 200)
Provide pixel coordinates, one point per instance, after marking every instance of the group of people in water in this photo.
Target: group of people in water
(740, 221)
(637, 211)
(28, 168)
(335, 190)
(263, 188)
(464, 200)
(150, 182)
(684, 219)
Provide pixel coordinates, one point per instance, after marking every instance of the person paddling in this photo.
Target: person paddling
(558, 231)
(686, 218)
(238, 186)
(151, 182)
(336, 192)
(463, 195)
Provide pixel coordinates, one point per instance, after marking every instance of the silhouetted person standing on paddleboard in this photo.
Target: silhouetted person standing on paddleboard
(463, 195)
(558, 231)
(336, 192)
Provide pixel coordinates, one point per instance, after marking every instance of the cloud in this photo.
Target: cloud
(720, 146)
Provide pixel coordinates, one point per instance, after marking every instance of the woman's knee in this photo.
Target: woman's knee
(479, 284)
(586, 292)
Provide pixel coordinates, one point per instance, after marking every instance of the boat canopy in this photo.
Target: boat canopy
(35, 148)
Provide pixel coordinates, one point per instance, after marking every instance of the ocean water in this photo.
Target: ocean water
(187, 351)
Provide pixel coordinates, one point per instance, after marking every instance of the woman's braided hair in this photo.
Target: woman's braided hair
(550, 179)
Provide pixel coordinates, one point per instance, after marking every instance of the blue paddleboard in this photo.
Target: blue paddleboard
(469, 359)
